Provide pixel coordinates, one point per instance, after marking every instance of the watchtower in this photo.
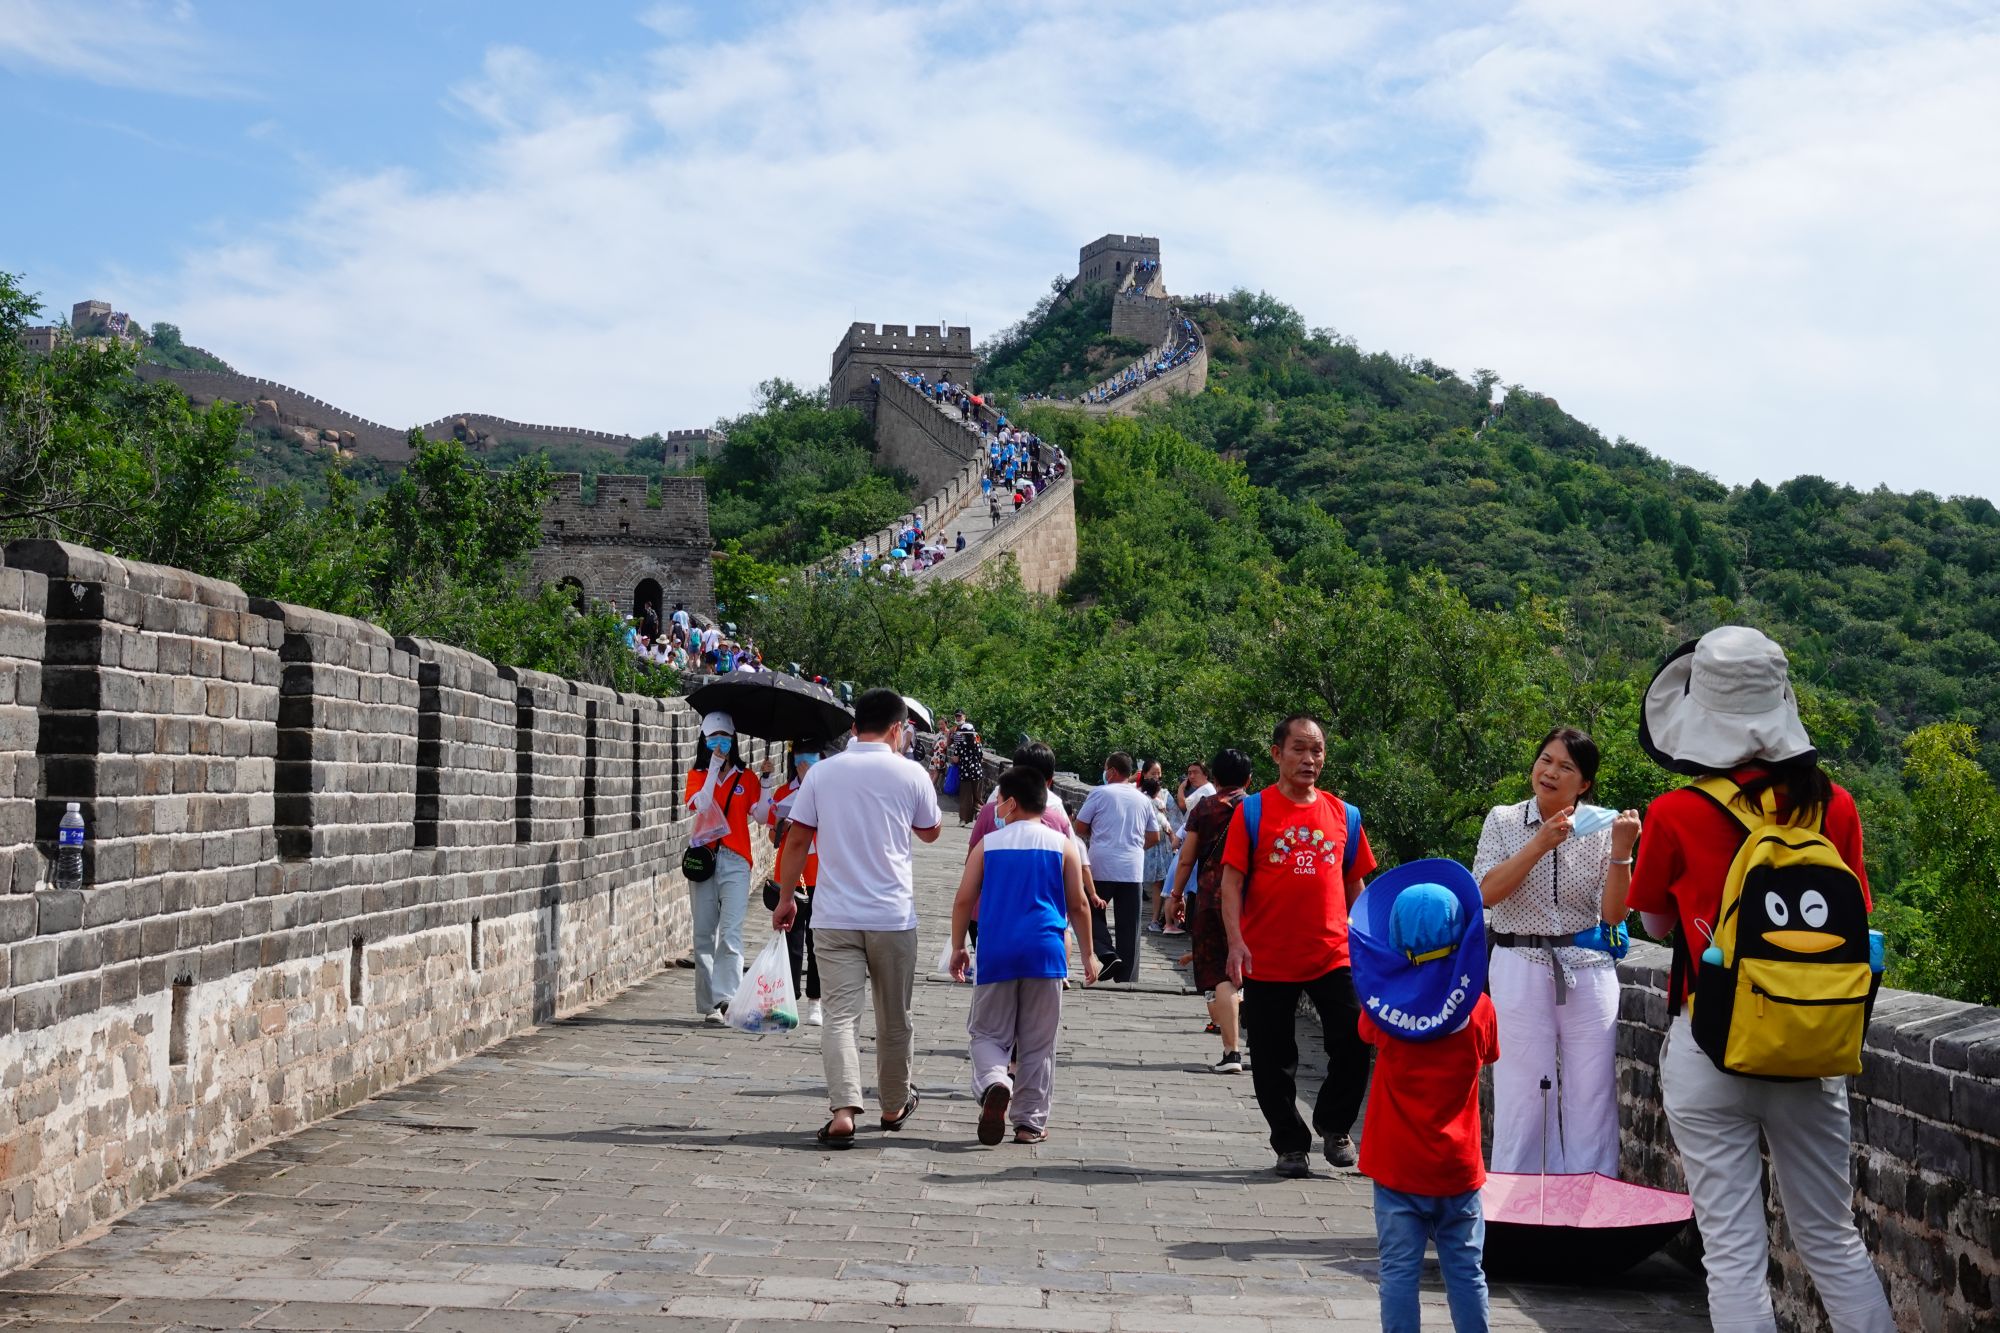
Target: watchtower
(1110, 257)
(87, 317)
(932, 351)
(621, 548)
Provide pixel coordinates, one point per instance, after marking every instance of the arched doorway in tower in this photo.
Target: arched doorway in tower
(645, 595)
(577, 599)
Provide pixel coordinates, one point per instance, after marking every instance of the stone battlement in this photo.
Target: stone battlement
(1148, 246)
(322, 861)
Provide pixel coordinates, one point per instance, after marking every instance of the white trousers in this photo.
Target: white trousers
(1715, 1118)
(1579, 1117)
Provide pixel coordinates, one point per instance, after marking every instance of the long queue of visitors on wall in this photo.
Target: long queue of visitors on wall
(1421, 976)
(680, 643)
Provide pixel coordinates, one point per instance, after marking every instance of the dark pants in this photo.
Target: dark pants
(805, 960)
(1123, 895)
(1270, 1022)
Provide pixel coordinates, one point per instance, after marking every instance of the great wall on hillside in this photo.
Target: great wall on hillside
(325, 862)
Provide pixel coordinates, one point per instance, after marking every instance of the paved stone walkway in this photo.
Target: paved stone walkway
(629, 1169)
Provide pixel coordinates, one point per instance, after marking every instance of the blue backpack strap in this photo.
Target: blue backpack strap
(1353, 847)
(1252, 806)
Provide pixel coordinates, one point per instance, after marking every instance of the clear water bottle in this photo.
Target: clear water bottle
(69, 848)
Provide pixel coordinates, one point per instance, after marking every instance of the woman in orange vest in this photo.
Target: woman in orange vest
(720, 901)
(776, 813)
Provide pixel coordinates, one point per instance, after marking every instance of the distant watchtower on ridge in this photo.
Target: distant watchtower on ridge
(1112, 258)
(934, 352)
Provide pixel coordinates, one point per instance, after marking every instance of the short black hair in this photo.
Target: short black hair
(877, 710)
(1230, 768)
(1119, 762)
(1038, 756)
(1580, 748)
(1283, 731)
(1025, 787)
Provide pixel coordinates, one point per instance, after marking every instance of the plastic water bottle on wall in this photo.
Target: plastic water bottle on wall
(69, 848)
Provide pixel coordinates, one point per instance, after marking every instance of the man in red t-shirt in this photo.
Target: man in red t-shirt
(1284, 907)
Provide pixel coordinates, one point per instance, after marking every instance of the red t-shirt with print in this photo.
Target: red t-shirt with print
(1421, 1134)
(1688, 845)
(1294, 889)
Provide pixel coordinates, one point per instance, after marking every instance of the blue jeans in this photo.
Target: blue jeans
(1403, 1224)
(719, 903)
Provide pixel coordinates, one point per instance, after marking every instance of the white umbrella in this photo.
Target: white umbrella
(920, 713)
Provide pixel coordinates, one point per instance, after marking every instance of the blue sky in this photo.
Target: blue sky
(1754, 238)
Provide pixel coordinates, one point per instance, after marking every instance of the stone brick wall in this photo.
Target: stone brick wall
(933, 351)
(617, 539)
(937, 510)
(1191, 377)
(322, 862)
(1926, 1113)
(912, 434)
(1040, 540)
(1135, 314)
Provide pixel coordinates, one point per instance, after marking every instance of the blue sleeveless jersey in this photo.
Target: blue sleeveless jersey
(1022, 909)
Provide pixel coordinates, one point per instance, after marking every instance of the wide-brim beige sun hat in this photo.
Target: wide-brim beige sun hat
(1723, 701)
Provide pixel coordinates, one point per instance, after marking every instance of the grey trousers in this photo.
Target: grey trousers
(1715, 1119)
(853, 965)
(1017, 1021)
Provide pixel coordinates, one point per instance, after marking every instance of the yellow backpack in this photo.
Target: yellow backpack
(1785, 989)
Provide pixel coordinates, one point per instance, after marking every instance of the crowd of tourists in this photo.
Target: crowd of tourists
(1276, 892)
(681, 643)
(1179, 349)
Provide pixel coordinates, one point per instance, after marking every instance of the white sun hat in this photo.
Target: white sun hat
(1723, 701)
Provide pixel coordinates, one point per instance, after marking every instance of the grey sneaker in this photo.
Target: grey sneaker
(1340, 1151)
(1292, 1166)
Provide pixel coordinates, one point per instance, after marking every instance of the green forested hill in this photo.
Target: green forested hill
(1362, 536)
(1891, 600)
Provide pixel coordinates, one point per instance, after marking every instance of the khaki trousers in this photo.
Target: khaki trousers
(853, 965)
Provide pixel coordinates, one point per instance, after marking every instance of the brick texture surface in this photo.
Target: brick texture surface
(297, 829)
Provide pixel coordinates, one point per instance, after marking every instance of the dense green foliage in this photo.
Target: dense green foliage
(165, 348)
(1348, 533)
(91, 453)
(1061, 347)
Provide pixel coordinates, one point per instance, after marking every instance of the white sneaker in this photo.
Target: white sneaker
(715, 1018)
(815, 1015)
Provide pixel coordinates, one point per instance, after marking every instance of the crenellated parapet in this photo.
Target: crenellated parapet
(321, 861)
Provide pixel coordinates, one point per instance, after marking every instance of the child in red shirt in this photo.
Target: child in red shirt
(1420, 1141)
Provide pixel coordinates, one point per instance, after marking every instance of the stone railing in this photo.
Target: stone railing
(1926, 1117)
(322, 861)
(936, 510)
(1040, 537)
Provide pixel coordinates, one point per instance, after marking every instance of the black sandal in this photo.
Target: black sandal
(828, 1139)
(909, 1109)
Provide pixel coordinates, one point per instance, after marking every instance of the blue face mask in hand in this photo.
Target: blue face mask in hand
(1590, 819)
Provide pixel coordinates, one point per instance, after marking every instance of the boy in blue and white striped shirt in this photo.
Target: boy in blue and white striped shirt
(1025, 884)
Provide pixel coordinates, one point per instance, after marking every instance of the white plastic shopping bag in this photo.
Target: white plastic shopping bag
(710, 823)
(765, 1001)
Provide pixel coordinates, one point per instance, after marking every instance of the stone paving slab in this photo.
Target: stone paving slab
(631, 1170)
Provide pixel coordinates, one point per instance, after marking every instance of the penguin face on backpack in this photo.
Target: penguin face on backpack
(1792, 916)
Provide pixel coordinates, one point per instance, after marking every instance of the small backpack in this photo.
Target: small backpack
(1785, 988)
(1253, 808)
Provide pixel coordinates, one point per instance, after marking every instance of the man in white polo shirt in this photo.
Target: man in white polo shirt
(1116, 820)
(862, 806)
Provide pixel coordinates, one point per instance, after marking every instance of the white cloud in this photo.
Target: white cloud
(1754, 238)
(123, 43)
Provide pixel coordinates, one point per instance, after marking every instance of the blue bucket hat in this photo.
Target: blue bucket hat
(1417, 942)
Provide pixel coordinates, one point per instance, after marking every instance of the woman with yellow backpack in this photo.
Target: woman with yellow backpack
(1757, 868)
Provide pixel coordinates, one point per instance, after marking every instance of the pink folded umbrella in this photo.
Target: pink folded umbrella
(1560, 1228)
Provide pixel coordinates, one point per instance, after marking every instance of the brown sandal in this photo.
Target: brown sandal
(828, 1139)
(1029, 1134)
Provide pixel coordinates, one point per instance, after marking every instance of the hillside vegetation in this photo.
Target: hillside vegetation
(1348, 533)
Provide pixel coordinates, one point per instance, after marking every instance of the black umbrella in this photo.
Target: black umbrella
(773, 706)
